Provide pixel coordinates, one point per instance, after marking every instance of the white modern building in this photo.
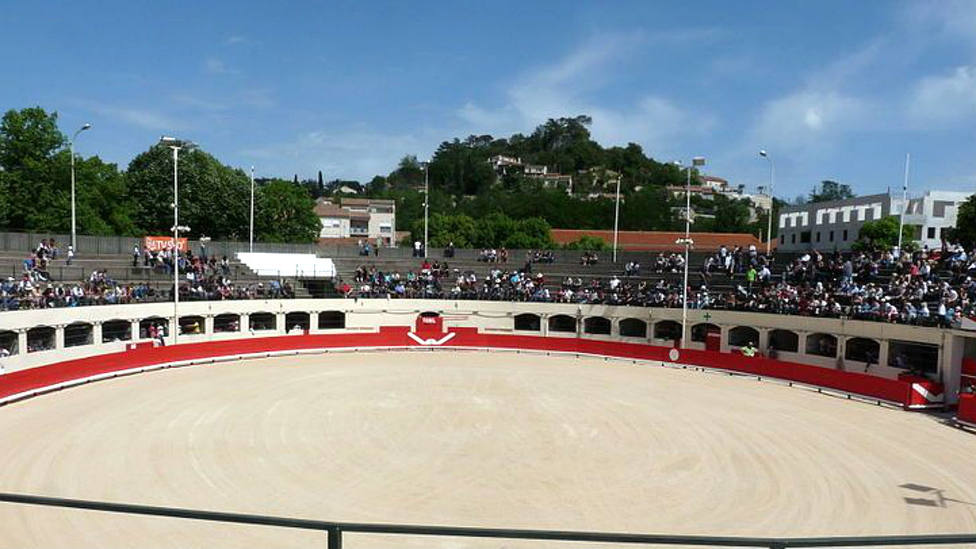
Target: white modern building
(934, 212)
(835, 225)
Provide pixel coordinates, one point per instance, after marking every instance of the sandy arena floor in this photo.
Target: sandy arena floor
(473, 439)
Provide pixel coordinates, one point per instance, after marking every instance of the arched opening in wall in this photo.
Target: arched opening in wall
(262, 322)
(921, 358)
(192, 324)
(822, 345)
(862, 349)
(699, 332)
(596, 325)
(9, 343)
(633, 327)
(159, 322)
(528, 322)
(227, 323)
(667, 329)
(785, 341)
(332, 320)
(116, 330)
(297, 322)
(562, 323)
(40, 338)
(740, 336)
(77, 334)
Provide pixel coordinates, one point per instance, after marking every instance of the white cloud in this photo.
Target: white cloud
(809, 119)
(564, 89)
(946, 98)
(143, 118)
(234, 39)
(357, 153)
(214, 65)
(806, 118)
(256, 97)
(955, 18)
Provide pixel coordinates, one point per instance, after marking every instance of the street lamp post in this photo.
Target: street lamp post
(250, 247)
(687, 242)
(176, 145)
(616, 221)
(426, 203)
(74, 244)
(904, 204)
(769, 214)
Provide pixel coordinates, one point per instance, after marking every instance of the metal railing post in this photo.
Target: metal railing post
(335, 538)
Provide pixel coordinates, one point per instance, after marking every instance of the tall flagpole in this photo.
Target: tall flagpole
(904, 206)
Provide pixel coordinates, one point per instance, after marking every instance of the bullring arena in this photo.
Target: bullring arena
(516, 415)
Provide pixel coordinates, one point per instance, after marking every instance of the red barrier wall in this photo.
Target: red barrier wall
(851, 382)
(967, 408)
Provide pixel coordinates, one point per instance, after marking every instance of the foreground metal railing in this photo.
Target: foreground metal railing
(335, 530)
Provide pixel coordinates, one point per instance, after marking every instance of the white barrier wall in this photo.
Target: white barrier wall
(303, 265)
(368, 315)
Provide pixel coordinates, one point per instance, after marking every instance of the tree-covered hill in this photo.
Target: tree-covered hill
(556, 176)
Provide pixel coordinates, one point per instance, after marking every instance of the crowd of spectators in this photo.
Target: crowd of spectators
(202, 278)
(491, 255)
(924, 288)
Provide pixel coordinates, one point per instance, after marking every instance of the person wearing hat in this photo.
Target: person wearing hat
(749, 350)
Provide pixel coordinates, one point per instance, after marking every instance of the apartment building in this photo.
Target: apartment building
(357, 218)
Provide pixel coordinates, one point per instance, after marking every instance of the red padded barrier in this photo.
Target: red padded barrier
(967, 408)
(969, 366)
(851, 382)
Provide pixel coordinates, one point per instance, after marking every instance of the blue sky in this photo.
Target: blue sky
(838, 90)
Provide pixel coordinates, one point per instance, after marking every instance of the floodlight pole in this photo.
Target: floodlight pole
(616, 221)
(176, 145)
(176, 244)
(904, 205)
(251, 238)
(426, 204)
(71, 144)
(769, 214)
(696, 161)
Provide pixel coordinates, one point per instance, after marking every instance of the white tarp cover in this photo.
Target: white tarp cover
(289, 265)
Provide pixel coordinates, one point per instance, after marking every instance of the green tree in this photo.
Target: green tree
(829, 191)
(647, 210)
(494, 230)
(213, 198)
(445, 229)
(283, 212)
(376, 185)
(882, 234)
(103, 206)
(409, 174)
(587, 242)
(965, 230)
(33, 197)
(731, 215)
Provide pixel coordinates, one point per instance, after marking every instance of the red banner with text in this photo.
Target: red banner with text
(160, 243)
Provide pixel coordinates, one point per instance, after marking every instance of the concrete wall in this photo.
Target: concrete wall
(368, 315)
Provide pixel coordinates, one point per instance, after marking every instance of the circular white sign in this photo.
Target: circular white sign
(673, 354)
